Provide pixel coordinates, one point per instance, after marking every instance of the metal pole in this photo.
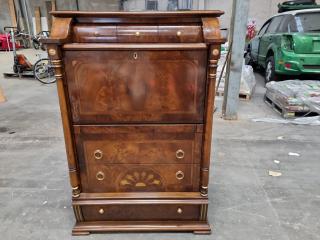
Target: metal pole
(13, 42)
(25, 9)
(234, 70)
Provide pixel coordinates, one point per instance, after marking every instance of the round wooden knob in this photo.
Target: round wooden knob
(179, 211)
(98, 154)
(137, 34)
(101, 211)
(179, 33)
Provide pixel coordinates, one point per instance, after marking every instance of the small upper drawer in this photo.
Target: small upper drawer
(95, 34)
(136, 34)
(186, 34)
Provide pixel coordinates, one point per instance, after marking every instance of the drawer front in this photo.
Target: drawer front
(155, 144)
(141, 178)
(136, 86)
(183, 34)
(152, 212)
(95, 33)
(137, 34)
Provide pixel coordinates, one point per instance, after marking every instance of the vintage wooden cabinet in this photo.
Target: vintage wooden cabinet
(136, 92)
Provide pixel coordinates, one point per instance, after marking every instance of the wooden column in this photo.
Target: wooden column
(60, 34)
(54, 53)
(12, 12)
(37, 16)
(213, 39)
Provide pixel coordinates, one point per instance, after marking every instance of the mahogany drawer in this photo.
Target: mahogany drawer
(141, 178)
(136, 86)
(151, 212)
(137, 34)
(183, 34)
(97, 33)
(148, 144)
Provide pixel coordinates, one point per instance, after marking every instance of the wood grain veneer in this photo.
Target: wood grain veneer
(136, 92)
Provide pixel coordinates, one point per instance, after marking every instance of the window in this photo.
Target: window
(274, 25)
(292, 25)
(308, 22)
(152, 5)
(286, 24)
(264, 28)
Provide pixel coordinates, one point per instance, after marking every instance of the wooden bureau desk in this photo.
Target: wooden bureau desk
(136, 92)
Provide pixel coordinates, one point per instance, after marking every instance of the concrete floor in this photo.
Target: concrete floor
(246, 203)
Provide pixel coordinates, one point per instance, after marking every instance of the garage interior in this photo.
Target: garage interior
(264, 178)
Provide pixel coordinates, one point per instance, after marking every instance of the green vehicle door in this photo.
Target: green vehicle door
(255, 42)
(268, 39)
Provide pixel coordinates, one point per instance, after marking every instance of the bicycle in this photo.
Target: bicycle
(43, 70)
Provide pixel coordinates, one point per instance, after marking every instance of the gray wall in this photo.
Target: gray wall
(260, 10)
(5, 19)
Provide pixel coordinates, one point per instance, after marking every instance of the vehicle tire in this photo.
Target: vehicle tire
(249, 60)
(43, 71)
(15, 68)
(270, 72)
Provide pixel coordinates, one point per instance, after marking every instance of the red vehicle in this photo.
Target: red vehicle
(6, 44)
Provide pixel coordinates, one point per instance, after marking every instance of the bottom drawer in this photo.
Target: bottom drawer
(153, 212)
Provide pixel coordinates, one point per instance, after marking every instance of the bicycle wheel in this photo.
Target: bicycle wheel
(36, 44)
(43, 71)
(25, 43)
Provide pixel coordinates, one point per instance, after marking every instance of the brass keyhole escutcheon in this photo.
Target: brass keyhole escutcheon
(180, 154)
(135, 55)
(101, 211)
(179, 211)
(179, 175)
(98, 154)
(100, 176)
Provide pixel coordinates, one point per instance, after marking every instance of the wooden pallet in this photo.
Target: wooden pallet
(242, 96)
(22, 75)
(285, 113)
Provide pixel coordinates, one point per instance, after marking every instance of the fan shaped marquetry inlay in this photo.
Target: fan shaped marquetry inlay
(141, 180)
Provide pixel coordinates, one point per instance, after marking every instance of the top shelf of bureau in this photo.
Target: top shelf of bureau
(148, 14)
(138, 27)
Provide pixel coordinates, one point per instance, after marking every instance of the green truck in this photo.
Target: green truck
(287, 44)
